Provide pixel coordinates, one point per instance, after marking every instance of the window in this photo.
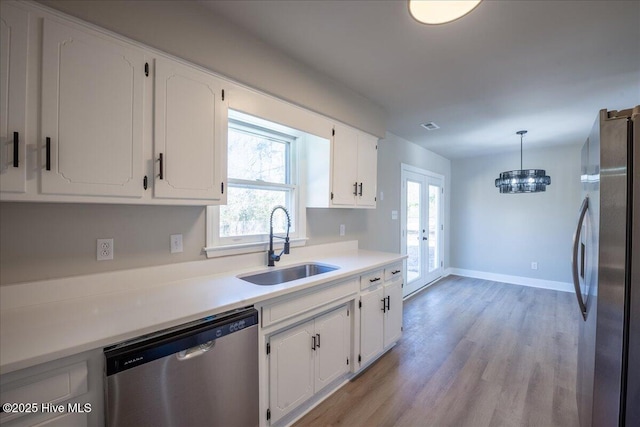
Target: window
(262, 173)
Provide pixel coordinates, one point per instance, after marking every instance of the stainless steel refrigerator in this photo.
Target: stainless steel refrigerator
(606, 272)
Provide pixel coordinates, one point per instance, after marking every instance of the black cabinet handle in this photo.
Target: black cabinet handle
(374, 280)
(389, 303)
(395, 272)
(384, 305)
(355, 189)
(161, 176)
(16, 145)
(360, 189)
(48, 154)
(313, 342)
(318, 342)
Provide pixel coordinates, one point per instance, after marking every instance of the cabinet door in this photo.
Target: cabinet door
(92, 113)
(332, 347)
(190, 129)
(393, 315)
(371, 324)
(367, 170)
(291, 369)
(13, 90)
(343, 169)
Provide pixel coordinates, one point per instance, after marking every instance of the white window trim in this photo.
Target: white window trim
(218, 247)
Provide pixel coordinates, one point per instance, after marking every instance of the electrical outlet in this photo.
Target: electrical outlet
(176, 243)
(534, 265)
(104, 249)
(342, 229)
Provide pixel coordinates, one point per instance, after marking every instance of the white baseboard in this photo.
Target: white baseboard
(516, 280)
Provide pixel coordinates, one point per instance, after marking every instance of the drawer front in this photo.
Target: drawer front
(393, 272)
(52, 387)
(307, 301)
(372, 278)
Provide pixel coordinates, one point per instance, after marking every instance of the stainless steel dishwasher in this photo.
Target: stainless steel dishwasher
(204, 373)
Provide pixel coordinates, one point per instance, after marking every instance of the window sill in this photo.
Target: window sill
(246, 248)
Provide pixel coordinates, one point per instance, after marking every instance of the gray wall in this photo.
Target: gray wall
(384, 233)
(49, 240)
(504, 233)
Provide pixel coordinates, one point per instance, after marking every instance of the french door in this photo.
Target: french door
(422, 227)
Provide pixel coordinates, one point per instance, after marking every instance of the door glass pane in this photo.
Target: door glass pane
(413, 230)
(434, 221)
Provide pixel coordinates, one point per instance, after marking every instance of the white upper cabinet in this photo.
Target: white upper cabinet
(13, 93)
(190, 139)
(342, 173)
(367, 170)
(344, 166)
(92, 113)
(354, 170)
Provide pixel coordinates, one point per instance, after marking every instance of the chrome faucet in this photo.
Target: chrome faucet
(272, 257)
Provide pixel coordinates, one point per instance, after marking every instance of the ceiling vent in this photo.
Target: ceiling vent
(430, 126)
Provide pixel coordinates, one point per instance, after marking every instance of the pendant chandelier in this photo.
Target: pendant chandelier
(523, 180)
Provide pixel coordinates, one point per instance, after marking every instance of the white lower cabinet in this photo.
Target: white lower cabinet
(393, 312)
(65, 392)
(306, 358)
(380, 314)
(371, 324)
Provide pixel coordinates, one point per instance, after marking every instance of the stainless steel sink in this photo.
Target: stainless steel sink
(276, 277)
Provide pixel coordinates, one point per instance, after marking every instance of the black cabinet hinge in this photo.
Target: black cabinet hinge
(222, 188)
(347, 313)
(146, 69)
(360, 304)
(402, 328)
(375, 199)
(144, 182)
(268, 414)
(333, 132)
(268, 348)
(359, 358)
(376, 147)
(347, 360)
(332, 196)
(223, 94)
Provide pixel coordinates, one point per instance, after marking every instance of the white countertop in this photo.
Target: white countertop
(99, 315)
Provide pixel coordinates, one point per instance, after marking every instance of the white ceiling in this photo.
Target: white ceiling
(544, 66)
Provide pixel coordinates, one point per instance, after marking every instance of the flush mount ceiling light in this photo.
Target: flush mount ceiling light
(440, 11)
(523, 180)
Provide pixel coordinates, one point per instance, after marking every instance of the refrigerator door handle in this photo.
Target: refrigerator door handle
(574, 259)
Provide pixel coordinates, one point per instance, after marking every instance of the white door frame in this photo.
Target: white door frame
(404, 168)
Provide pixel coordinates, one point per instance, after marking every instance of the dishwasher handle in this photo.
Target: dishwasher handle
(195, 351)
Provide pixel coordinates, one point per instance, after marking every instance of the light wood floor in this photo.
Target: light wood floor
(474, 353)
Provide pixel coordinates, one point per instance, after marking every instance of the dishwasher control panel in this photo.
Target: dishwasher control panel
(175, 340)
